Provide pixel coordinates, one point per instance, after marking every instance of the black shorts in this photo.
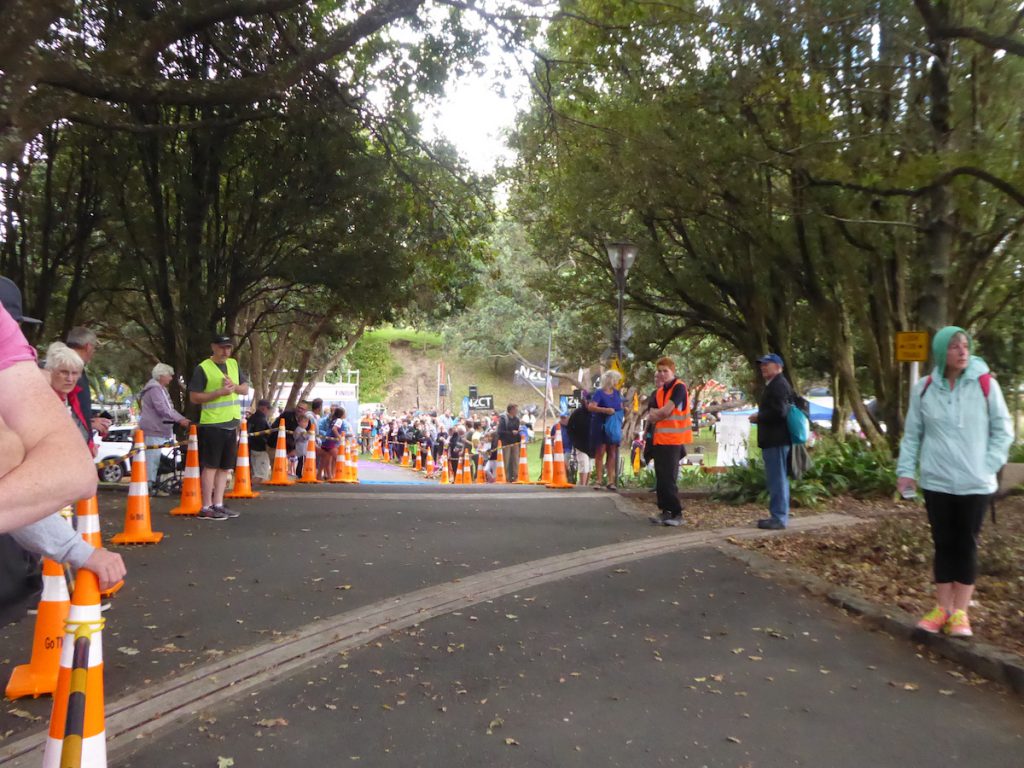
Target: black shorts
(218, 447)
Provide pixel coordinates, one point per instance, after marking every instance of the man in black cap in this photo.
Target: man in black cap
(773, 439)
(215, 387)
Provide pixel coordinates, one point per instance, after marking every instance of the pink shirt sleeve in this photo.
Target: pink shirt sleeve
(14, 348)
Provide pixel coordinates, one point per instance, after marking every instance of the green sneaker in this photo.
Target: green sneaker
(958, 625)
(934, 620)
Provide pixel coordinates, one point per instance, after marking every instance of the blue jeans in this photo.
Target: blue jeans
(775, 462)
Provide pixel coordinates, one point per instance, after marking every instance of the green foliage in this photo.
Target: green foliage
(1017, 453)
(390, 333)
(376, 368)
(838, 467)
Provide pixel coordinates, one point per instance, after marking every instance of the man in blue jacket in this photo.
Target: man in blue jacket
(773, 439)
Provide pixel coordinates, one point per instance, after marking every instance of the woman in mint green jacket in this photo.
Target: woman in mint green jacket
(958, 432)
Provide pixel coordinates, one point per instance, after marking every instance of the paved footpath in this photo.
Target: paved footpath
(416, 625)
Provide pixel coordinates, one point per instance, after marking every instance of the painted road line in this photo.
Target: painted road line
(145, 713)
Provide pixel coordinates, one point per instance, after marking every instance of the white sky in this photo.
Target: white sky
(474, 116)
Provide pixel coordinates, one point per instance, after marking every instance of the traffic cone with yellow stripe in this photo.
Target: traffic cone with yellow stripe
(87, 523)
(279, 475)
(523, 476)
(39, 676)
(77, 734)
(499, 469)
(560, 478)
(309, 462)
(191, 485)
(243, 473)
(138, 527)
(547, 472)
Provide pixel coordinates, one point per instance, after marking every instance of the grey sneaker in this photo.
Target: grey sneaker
(229, 512)
(674, 520)
(211, 513)
(660, 519)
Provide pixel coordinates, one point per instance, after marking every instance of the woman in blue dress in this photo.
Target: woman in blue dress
(603, 404)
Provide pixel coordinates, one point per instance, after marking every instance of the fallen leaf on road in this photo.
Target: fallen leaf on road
(511, 742)
(268, 722)
(733, 739)
(128, 650)
(344, 586)
(945, 692)
(225, 762)
(621, 570)
(22, 714)
(511, 616)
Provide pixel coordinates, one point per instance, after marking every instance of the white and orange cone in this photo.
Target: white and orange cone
(547, 472)
(138, 526)
(309, 462)
(430, 464)
(499, 469)
(523, 476)
(279, 475)
(243, 472)
(560, 478)
(39, 676)
(445, 479)
(87, 523)
(77, 734)
(191, 485)
(354, 472)
(460, 478)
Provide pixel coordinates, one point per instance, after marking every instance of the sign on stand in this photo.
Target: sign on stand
(911, 347)
(481, 403)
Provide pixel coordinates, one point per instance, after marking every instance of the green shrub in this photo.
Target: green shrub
(1017, 453)
(838, 467)
(376, 368)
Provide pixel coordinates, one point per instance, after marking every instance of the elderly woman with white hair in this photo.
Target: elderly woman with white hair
(158, 419)
(605, 408)
(64, 367)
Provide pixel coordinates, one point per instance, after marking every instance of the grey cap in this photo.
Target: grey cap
(10, 297)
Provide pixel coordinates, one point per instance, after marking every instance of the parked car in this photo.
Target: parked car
(117, 444)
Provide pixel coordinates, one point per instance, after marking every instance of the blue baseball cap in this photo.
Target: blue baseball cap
(771, 357)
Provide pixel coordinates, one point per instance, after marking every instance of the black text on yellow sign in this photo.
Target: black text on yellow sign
(911, 347)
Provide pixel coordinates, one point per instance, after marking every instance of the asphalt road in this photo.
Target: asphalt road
(682, 658)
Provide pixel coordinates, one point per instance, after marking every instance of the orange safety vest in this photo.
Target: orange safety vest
(677, 429)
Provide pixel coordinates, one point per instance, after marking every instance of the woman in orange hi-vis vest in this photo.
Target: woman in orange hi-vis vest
(673, 428)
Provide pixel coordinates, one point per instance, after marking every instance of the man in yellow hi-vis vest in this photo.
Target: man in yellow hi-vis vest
(215, 387)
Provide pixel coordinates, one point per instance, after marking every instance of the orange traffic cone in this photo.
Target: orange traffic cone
(39, 676)
(405, 456)
(459, 478)
(243, 474)
(340, 465)
(481, 472)
(309, 463)
(524, 466)
(354, 471)
(279, 476)
(430, 464)
(547, 472)
(87, 523)
(77, 734)
(499, 467)
(445, 479)
(467, 470)
(191, 487)
(560, 478)
(385, 450)
(377, 454)
(137, 524)
(419, 462)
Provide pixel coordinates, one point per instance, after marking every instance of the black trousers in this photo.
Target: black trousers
(956, 523)
(666, 470)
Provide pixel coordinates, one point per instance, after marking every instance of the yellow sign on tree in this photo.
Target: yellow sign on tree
(614, 365)
(911, 347)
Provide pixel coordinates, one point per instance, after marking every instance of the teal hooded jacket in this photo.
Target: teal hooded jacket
(959, 437)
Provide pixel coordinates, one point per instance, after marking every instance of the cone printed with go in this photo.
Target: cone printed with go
(138, 527)
(39, 676)
(191, 485)
(243, 473)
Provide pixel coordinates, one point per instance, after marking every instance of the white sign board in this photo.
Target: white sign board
(733, 436)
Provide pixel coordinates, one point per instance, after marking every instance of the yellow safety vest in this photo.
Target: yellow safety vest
(220, 410)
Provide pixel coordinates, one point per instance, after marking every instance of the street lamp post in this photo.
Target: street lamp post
(621, 255)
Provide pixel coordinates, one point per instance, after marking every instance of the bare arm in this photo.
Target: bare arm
(57, 468)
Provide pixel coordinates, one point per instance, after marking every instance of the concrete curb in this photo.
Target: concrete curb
(994, 663)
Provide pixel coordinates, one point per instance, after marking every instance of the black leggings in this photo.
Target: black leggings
(956, 523)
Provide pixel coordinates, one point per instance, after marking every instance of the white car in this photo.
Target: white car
(116, 445)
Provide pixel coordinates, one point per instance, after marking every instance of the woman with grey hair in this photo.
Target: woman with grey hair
(604, 404)
(65, 367)
(157, 420)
